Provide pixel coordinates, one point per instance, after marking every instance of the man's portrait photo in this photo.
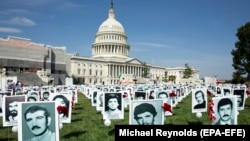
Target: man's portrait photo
(240, 98)
(225, 109)
(33, 96)
(10, 109)
(140, 95)
(39, 121)
(113, 106)
(199, 100)
(226, 91)
(148, 112)
(63, 107)
(45, 95)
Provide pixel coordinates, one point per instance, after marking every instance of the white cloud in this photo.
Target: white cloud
(153, 45)
(20, 21)
(9, 30)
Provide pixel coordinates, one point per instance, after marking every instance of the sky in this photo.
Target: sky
(168, 33)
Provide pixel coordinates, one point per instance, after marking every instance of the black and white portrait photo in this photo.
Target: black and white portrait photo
(94, 97)
(10, 109)
(199, 100)
(240, 94)
(39, 121)
(63, 106)
(33, 96)
(113, 106)
(146, 112)
(140, 95)
(225, 110)
(100, 101)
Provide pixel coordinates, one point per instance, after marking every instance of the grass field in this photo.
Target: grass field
(87, 123)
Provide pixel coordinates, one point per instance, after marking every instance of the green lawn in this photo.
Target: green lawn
(87, 123)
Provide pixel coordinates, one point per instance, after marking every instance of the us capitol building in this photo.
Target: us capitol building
(110, 62)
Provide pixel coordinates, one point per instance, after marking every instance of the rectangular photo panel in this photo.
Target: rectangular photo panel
(199, 100)
(63, 103)
(10, 109)
(225, 110)
(240, 94)
(113, 106)
(38, 120)
(100, 101)
(140, 95)
(146, 112)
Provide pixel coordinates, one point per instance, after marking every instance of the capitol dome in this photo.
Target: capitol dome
(111, 24)
(110, 39)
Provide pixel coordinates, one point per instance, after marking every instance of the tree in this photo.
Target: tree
(188, 72)
(241, 53)
(165, 78)
(172, 78)
(145, 70)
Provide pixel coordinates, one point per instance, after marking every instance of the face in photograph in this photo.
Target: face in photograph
(226, 111)
(11, 109)
(239, 98)
(146, 112)
(140, 95)
(45, 96)
(39, 120)
(113, 106)
(62, 104)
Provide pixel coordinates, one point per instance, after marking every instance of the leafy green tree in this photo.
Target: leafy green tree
(172, 78)
(241, 53)
(188, 72)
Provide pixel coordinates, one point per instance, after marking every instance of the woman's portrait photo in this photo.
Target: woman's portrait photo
(39, 121)
(63, 106)
(146, 112)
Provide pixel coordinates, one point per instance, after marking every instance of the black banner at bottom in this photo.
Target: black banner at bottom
(174, 132)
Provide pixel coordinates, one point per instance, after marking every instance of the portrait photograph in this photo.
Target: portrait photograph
(164, 95)
(126, 98)
(240, 94)
(94, 98)
(226, 91)
(199, 100)
(151, 94)
(45, 95)
(38, 121)
(2, 94)
(74, 95)
(225, 110)
(10, 109)
(146, 112)
(33, 96)
(218, 91)
(63, 104)
(113, 106)
(100, 101)
(140, 95)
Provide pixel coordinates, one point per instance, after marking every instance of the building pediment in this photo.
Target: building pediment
(133, 61)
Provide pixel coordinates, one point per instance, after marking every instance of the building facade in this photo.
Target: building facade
(110, 60)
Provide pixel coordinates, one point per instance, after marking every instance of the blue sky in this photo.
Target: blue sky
(168, 33)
